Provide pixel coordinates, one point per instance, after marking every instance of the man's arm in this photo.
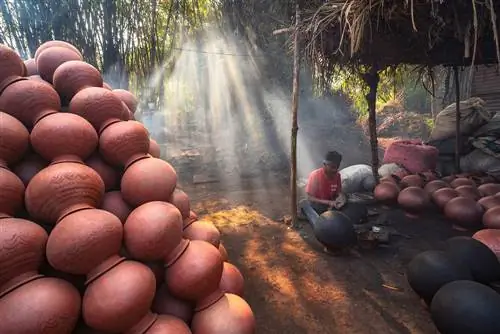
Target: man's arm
(312, 189)
(317, 200)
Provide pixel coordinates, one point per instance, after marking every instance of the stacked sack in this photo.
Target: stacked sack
(94, 235)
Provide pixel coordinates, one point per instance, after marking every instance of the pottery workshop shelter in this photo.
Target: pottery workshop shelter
(368, 36)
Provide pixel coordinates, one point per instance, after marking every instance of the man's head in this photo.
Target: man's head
(331, 163)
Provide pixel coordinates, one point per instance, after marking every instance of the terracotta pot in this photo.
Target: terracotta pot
(109, 175)
(38, 78)
(152, 231)
(414, 180)
(29, 101)
(154, 149)
(113, 202)
(99, 106)
(491, 238)
(429, 176)
(51, 58)
(181, 201)
(168, 324)
(462, 181)
(56, 43)
(463, 305)
(465, 213)
(202, 230)
(434, 185)
(73, 76)
(12, 194)
(117, 308)
(192, 217)
(489, 202)
(413, 200)
(469, 192)
(128, 98)
(230, 314)
(165, 303)
(63, 137)
(232, 280)
(489, 189)
(31, 164)
(61, 189)
(223, 252)
(78, 281)
(30, 67)
(491, 218)
(193, 270)
(148, 180)
(123, 143)
(45, 305)
(442, 196)
(386, 192)
(429, 271)
(14, 140)
(11, 65)
(390, 179)
(449, 178)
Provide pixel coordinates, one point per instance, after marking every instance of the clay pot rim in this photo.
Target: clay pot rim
(208, 301)
(190, 222)
(21, 283)
(144, 324)
(9, 81)
(177, 252)
(103, 267)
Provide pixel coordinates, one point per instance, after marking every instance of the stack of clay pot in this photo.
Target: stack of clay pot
(94, 235)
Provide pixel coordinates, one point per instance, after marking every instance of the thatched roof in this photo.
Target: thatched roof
(354, 33)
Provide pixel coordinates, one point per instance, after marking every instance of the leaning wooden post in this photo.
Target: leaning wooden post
(458, 138)
(372, 79)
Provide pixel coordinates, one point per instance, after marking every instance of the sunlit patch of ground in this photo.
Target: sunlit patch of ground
(235, 216)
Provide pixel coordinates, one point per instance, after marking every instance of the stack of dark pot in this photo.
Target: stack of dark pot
(94, 235)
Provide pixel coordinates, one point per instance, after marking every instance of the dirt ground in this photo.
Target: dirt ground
(293, 287)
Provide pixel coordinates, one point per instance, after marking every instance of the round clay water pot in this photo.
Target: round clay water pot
(154, 149)
(165, 303)
(152, 231)
(29, 101)
(11, 65)
(123, 143)
(230, 314)
(413, 200)
(51, 58)
(429, 271)
(181, 201)
(192, 217)
(63, 188)
(481, 261)
(334, 230)
(489, 189)
(73, 76)
(148, 180)
(434, 185)
(14, 140)
(448, 178)
(45, 305)
(489, 202)
(128, 98)
(466, 307)
(31, 164)
(99, 106)
(232, 280)
(491, 218)
(168, 324)
(50, 44)
(193, 270)
(491, 238)
(119, 299)
(465, 213)
(109, 175)
(81, 241)
(386, 193)
(469, 192)
(413, 180)
(30, 67)
(64, 137)
(113, 202)
(22, 251)
(390, 179)
(37, 78)
(223, 252)
(442, 196)
(462, 181)
(202, 230)
(12, 194)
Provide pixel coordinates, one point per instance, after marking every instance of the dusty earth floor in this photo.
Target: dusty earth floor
(295, 288)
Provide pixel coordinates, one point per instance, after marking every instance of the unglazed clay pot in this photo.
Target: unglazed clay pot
(434, 185)
(63, 137)
(202, 230)
(391, 178)
(413, 200)
(414, 180)
(29, 101)
(49, 59)
(123, 143)
(193, 270)
(491, 238)
(56, 43)
(61, 189)
(99, 106)
(181, 201)
(223, 252)
(152, 231)
(386, 192)
(230, 314)
(192, 217)
(168, 324)
(465, 213)
(154, 149)
(28, 167)
(45, 305)
(468, 191)
(113, 202)
(462, 181)
(128, 98)
(14, 140)
(489, 202)
(73, 76)
(232, 280)
(491, 218)
(489, 189)
(108, 174)
(442, 196)
(148, 180)
(165, 303)
(11, 65)
(11, 194)
(30, 67)
(449, 178)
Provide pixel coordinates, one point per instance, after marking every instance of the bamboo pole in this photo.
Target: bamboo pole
(372, 79)
(457, 120)
(295, 127)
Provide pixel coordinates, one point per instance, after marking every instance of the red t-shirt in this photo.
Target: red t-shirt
(322, 187)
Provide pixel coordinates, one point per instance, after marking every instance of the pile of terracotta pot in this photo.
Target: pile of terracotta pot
(94, 235)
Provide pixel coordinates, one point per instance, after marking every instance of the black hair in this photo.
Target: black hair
(333, 157)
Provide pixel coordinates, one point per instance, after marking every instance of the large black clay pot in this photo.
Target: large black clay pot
(430, 270)
(357, 212)
(465, 307)
(481, 261)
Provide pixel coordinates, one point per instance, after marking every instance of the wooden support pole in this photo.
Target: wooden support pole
(458, 144)
(372, 79)
(295, 127)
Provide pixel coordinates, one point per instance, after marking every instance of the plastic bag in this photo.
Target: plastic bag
(479, 161)
(357, 178)
(388, 169)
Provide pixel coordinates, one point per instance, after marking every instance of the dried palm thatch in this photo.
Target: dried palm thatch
(384, 33)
